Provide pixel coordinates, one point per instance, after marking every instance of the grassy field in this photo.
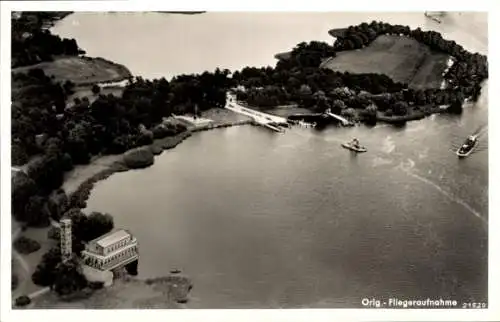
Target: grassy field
(84, 72)
(401, 58)
(81, 70)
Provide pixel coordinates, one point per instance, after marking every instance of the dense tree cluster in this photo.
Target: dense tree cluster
(50, 271)
(359, 36)
(69, 277)
(41, 46)
(110, 124)
(65, 277)
(37, 101)
(45, 272)
(31, 43)
(307, 55)
(267, 87)
(22, 300)
(152, 100)
(88, 227)
(26, 245)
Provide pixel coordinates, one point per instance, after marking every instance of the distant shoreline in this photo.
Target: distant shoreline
(184, 12)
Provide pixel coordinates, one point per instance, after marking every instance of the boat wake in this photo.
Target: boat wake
(378, 161)
(481, 131)
(389, 145)
(407, 168)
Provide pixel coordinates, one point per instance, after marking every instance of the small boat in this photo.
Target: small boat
(352, 147)
(175, 271)
(434, 15)
(469, 145)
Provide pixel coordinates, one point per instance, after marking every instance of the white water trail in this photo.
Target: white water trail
(379, 161)
(450, 196)
(388, 146)
(482, 130)
(380, 126)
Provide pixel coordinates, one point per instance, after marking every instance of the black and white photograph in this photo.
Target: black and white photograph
(219, 159)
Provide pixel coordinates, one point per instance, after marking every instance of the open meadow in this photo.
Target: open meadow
(81, 70)
(401, 58)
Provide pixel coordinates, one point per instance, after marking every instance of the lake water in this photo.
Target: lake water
(262, 220)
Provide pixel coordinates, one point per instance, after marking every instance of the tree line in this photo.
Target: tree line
(32, 43)
(299, 79)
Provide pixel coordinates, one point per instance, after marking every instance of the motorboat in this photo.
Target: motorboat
(435, 15)
(354, 147)
(469, 145)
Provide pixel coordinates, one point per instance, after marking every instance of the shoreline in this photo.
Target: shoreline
(78, 185)
(79, 193)
(184, 12)
(79, 182)
(168, 292)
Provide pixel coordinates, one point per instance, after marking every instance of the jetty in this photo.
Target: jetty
(275, 123)
(343, 120)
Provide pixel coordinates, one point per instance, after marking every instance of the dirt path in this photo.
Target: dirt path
(24, 272)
